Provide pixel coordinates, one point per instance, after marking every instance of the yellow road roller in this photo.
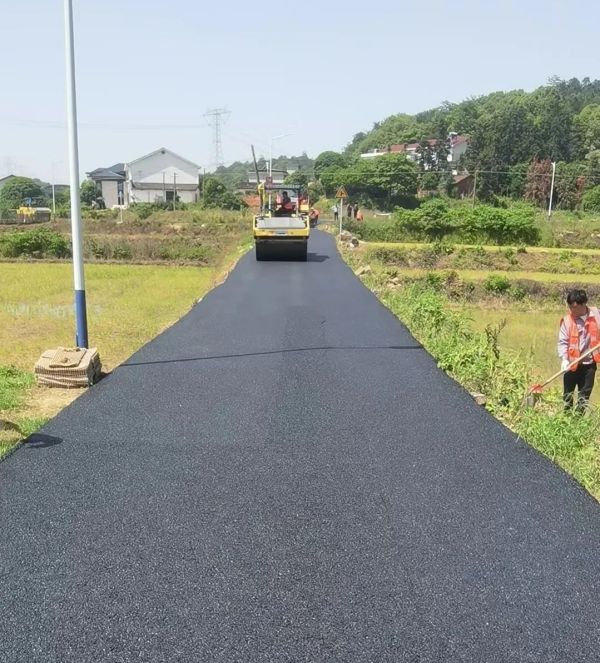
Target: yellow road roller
(281, 228)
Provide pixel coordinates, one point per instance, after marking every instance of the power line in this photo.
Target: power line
(55, 124)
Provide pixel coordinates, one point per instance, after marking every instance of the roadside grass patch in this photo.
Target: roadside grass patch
(13, 383)
(477, 358)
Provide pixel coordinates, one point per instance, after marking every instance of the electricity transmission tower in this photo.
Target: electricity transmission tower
(216, 117)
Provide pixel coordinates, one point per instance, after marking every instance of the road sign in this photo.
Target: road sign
(341, 193)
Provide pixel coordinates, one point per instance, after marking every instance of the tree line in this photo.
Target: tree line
(514, 139)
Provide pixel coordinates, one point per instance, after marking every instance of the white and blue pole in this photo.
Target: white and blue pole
(81, 336)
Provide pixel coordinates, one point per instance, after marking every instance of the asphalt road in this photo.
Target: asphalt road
(285, 475)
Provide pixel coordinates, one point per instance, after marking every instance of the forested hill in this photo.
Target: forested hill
(559, 121)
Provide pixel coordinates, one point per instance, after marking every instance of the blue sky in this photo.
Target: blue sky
(147, 70)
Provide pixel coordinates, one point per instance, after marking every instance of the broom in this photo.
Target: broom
(535, 390)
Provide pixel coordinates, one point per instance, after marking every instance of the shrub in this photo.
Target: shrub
(389, 255)
(591, 200)
(518, 293)
(496, 284)
(142, 210)
(122, 251)
(37, 243)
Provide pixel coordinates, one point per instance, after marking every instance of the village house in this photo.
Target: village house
(457, 146)
(159, 176)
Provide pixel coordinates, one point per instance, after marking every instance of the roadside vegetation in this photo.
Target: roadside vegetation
(191, 236)
(494, 335)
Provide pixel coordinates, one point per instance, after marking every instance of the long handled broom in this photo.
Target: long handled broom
(535, 390)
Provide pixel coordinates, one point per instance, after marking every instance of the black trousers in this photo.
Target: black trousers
(583, 378)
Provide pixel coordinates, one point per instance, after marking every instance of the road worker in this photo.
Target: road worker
(578, 332)
(286, 207)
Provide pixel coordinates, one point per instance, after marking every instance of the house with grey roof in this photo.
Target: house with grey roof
(111, 184)
(160, 176)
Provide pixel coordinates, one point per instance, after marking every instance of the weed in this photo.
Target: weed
(13, 382)
(495, 284)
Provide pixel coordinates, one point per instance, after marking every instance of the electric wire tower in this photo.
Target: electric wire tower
(215, 116)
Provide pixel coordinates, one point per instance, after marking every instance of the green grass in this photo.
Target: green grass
(13, 384)
(533, 332)
(487, 247)
(481, 274)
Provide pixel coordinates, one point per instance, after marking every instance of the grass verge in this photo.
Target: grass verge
(476, 359)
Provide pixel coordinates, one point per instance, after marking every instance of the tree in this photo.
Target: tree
(539, 182)
(298, 177)
(569, 183)
(394, 178)
(384, 181)
(315, 191)
(216, 195)
(591, 200)
(328, 159)
(517, 180)
(19, 191)
(587, 126)
(88, 192)
(333, 177)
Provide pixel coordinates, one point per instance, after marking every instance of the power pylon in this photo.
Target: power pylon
(215, 116)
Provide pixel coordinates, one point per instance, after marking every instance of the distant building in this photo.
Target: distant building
(278, 175)
(155, 177)
(161, 175)
(111, 184)
(463, 185)
(457, 145)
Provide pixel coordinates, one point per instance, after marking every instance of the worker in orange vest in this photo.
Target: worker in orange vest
(286, 206)
(579, 332)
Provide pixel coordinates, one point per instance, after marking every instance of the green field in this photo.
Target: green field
(489, 247)
(481, 274)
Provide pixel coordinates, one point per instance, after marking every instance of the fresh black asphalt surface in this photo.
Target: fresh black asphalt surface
(284, 475)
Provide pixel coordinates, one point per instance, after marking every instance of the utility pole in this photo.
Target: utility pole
(164, 188)
(551, 190)
(81, 336)
(474, 188)
(174, 191)
(216, 115)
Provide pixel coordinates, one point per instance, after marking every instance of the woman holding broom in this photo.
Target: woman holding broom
(579, 332)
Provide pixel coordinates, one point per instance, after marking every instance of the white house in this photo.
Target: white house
(156, 177)
(457, 145)
(159, 176)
